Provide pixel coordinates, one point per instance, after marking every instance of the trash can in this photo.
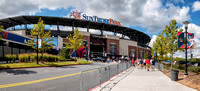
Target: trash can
(174, 75)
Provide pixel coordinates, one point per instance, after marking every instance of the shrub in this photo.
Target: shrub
(194, 69)
(21, 58)
(10, 57)
(46, 57)
(14, 57)
(64, 53)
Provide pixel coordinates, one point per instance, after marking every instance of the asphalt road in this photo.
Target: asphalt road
(66, 78)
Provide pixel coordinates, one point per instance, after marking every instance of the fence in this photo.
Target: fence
(159, 66)
(95, 77)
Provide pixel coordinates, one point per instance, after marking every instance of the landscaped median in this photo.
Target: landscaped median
(44, 64)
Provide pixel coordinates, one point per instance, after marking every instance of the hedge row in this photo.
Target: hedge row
(182, 67)
(10, 57)
(31, 57)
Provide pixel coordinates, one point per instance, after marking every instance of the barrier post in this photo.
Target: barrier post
(100, 76)
(109, 72)
(81, 82)
(117, 68)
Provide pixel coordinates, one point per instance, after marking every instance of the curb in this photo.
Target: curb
(42, 66)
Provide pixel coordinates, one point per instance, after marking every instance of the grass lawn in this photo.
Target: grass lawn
(17, 65)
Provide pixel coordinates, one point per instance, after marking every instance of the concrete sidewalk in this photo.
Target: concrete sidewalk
(141, 80)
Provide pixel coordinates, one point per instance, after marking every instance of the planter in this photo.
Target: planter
(174, 75)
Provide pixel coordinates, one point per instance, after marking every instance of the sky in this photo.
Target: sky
(148, 16)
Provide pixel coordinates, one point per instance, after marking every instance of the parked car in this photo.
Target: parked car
(196, 64)
(99, 59)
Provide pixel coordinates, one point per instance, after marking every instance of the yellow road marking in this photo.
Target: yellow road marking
(36, 81)
(41, 80)
(89, 71)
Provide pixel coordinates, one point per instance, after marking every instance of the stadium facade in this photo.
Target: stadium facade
(135, 45)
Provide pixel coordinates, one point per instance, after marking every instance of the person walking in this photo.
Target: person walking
(132, 61)
(147, 64)
(153, 64)
(138, 63)
(108, 60)
(144, 63)
(141, 62)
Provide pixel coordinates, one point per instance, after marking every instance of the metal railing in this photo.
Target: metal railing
(159, 66)
(95, 77)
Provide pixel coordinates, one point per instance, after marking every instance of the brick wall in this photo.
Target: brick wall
(108, 42)
(130, 48)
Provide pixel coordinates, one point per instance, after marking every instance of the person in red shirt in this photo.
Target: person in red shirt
(147, 64)
(133, 62)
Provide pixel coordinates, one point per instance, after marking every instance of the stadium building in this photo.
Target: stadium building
(120, 41)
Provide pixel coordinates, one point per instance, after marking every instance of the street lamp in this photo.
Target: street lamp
(186, 27)
(37, 48)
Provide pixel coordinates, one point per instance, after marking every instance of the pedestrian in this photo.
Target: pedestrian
(119, 60)
(141, 62)
(144, 63)
(153, 64)
(147, 64)
(108, 60)
(133, 62)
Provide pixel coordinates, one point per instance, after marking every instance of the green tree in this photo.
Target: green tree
(75, 41)
(146, 55)
(155, 49)
(161, 41)
(38, 30)
(1, 31)
(65, 53)
(171, 35)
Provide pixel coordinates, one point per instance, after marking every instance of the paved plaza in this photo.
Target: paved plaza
(141, 80)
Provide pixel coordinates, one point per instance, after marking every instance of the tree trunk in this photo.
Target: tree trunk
(42, 57)
(171, 62)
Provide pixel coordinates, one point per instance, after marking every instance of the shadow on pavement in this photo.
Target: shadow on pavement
(18, 71)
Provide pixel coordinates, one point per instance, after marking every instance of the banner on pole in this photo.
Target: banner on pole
(181, 40)
(190, 40)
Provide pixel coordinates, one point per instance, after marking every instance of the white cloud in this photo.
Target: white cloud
(150, 14)
(196, 6)
(10, 8)
(152, 40)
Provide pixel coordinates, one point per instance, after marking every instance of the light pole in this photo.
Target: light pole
(37, 48)
(186, 27)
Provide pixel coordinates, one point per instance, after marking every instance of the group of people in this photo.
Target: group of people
(144, 63)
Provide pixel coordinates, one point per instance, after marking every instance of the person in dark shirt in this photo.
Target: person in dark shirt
(153, 64)
(141, 63)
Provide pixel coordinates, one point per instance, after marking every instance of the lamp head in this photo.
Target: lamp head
(186, 23)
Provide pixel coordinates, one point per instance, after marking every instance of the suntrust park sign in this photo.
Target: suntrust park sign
(78, 15)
